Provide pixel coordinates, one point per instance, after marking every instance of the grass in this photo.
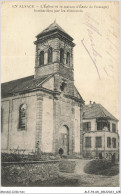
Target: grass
(59, 182)
(101, 167)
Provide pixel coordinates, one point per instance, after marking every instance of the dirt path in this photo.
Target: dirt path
(88, 180)
(80, 164)
(98, 181)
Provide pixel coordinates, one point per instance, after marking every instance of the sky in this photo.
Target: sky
(94, 27)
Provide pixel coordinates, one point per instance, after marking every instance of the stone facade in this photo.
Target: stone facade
(56, 44)
(45, 117)
(51, 118)
(16, 138)
(53, 105)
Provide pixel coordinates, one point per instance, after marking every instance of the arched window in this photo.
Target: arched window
(41, 58)
(50, 55)
(22, 116)
(1, 119)
(61, 55)
(68, 58)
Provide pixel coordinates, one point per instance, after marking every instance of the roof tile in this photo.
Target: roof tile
(96, 111)
(52, 27)
(20, 85)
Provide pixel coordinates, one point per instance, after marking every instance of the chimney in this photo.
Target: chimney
(90, 102)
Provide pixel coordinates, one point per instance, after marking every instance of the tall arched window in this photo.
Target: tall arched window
(41, 58)
(22, 116)
(68, 58)
(61, 55)
(50, 55)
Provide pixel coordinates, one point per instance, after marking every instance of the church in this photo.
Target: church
(43, 112)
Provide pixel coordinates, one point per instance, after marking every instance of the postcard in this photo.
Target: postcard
(60, 125)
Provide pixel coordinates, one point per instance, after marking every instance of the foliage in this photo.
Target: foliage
(59, 182)
(101, 167)
(74, 156)
(67, 166)
(18, 157)
(5, 157)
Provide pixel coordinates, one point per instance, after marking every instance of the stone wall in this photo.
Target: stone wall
(5, 124)
(67, 113)
(47, 125)
(20, 173)
(12, 136)
(54, 66)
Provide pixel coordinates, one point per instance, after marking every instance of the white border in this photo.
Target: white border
(81, 190)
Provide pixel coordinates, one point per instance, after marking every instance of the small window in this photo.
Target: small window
(108, 142)
(41, 58)
(1, 119)
(62, 86)
(114, 142)
(22, 117)
(87, 126)
(68, 58)
(113, 127)
(99, 126)
(88, 142)
(50, 55)
(61, 55)
(98, 142)
(108, 126)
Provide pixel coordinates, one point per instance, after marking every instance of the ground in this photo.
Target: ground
(89, 180)
(77, 177)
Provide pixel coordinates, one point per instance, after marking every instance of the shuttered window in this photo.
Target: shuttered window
(114, 142)
(108, 142)
(113, 127)
(98, 143)
(87, 126)
(88, 142)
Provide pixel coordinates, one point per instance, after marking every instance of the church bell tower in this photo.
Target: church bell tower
(54, 64)
(54, 55)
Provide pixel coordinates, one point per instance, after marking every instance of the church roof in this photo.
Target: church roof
(20, 85)
(28, 84)
(51, 28)
(94, 110)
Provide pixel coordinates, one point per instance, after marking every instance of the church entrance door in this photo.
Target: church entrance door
(64, 139)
